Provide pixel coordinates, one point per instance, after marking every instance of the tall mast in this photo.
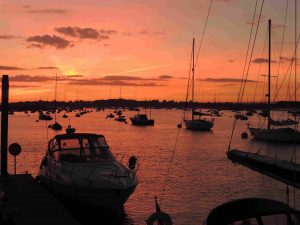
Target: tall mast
(193, 79)
(295, 61)
(269, 77)
(55, 103)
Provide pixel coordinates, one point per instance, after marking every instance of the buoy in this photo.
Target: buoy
(159, 216)
(244, 135)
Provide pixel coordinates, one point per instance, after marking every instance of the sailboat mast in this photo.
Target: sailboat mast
(295, 61)
(55, 103)
(269, 77)
(193, 79)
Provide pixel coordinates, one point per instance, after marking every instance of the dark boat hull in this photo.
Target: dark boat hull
(201, 125)
(112, 199)
(142, 122)
(282, 170)
(278, 135)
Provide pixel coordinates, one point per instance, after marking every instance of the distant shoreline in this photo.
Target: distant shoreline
(125, 103)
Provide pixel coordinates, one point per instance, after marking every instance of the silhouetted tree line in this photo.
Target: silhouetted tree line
(125, 103)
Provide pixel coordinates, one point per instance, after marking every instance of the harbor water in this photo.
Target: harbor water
(200, 177)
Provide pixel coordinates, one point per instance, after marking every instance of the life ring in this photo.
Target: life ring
(159, 216)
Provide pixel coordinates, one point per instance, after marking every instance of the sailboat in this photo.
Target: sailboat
(197, 123)
(56, 125)
(142, 119)
(285, 134)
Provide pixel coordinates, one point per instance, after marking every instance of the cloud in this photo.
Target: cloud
(8, 37)
(134, 78)
(100, 82)
(165, 77)
(145, 32)
(40, 78)
(232, 60)
(262, 60)
(48, 11)
(109, 32)
(10, 68)
(75, 75)
(120, 78)
(48, 68)
(28, 78)
(47, 40)
(226, 80)
(85, 33)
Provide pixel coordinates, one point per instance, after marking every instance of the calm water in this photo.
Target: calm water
(201, 176)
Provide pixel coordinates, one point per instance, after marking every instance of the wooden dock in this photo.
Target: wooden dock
(31, 204)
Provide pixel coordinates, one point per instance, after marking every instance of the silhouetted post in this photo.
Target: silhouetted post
(4, 125)
(269, 74)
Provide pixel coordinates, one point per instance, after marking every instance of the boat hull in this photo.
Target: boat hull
(202, 125)
(278, 135)
(112, 199)
(142, 122)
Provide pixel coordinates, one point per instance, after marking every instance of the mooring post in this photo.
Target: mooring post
(4, 125)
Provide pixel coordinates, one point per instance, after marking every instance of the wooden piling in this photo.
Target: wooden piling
(4, 125)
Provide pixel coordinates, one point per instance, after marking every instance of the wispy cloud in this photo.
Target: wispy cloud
(165, 77)
(48, 40)
(73, 76)
(29, 79)
(145, 32)
(226, 80)
(85, 33)
(8, 37)
(10, 68)
(101, 82)
(47, 11)
(262, 60)
(48, 68)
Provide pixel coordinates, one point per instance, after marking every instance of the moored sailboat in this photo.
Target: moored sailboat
(285, 134)
(199, 123)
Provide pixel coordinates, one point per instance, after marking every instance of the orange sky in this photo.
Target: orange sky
(143, 46)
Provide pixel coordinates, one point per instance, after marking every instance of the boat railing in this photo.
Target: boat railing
(70, 169)
(120, 157)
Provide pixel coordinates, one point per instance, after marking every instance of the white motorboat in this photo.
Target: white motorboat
(81, 166)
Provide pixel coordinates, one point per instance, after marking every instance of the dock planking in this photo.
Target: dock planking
(32, 204)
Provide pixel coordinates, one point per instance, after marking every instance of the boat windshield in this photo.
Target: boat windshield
(282, 219)
(81, 149)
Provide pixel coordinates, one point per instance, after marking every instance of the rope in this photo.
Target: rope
(169, 168)
(282, 39)
(203, 32)
(258, 74)
(252, 50)
(290, 66)
(244, 77)
(183, 116)
(248, 47)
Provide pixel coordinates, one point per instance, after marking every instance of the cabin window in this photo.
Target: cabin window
(100, 149)
(70, 150)
(86, 147)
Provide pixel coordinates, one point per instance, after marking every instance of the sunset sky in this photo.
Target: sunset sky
(142, 46)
